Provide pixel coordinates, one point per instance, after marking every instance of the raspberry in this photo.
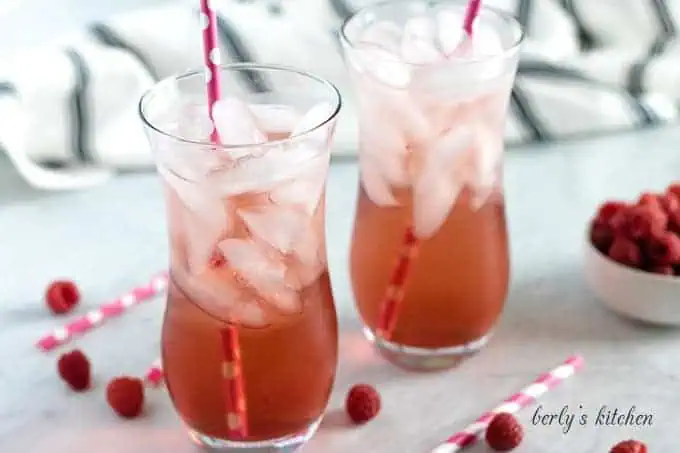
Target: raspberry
(504, 432)
(664, 249)
(125, 395)
(662, 269)
(626, 252)
(609, 209)
(363, 403)
(629, 446)
(669, 202)
(649, 199)
(644, 220)
(74, 368)
(61, 296)
(619, 221)
(674, 189)
(674, 222)
(601, 236)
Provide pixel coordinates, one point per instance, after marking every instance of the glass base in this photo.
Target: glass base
(286, 444)
(422, 359)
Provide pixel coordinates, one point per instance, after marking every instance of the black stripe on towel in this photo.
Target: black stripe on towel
(637, 71)
(108, 36)
(342, 10)
(241, 54)
(541, 68)
(79, 106)
(524, 9)
(586, 38)
(7, 88)
(522, 107)
(664, 15)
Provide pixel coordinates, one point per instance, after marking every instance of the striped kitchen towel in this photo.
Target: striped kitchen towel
(68, 111)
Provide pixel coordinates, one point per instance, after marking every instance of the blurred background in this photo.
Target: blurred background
(28, 22)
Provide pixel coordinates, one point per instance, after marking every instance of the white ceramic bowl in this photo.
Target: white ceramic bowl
(643, 296)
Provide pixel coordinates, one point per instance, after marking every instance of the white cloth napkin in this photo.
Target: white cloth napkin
(68, 111)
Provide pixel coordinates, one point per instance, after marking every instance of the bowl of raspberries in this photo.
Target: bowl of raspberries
(633, 256)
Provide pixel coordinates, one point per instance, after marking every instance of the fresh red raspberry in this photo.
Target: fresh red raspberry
(125, 395)
(363, 403)
(644, 220)
(650, 199)
(629, 446)
(504, 433)
(61, 296)
(674, 222)
(663, 249)
(74, 368)
(601, 235)
(609, 209)
(662, 269)
(674, 189)
(626, 252)
(619, 222)
(669, 202)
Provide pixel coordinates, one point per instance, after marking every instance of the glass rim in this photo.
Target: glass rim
(146, 96)
(505, 15)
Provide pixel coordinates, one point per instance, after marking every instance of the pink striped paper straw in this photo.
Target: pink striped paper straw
(470, 15)
(154, 375)
(513, 404)
(235, 400)
(399, 277)
(109, 310)
(211, 59)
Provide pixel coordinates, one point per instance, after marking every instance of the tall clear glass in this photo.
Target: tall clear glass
(429, 254)
(249, 338)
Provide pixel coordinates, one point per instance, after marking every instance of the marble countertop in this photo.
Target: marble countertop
(113, 237)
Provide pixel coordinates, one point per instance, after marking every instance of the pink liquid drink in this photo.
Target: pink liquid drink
(248, 261)
(429, 257)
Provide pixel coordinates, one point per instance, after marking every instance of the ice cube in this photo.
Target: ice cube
(488, 153)
(383, 104)
(186, 161)
(202, 234)
(384, 66)
(236, 123)
(249, 313)
(385, 142)
(486, 41)
(204, 219)
(264, 273)
(312, 119)
(450, 33)
(277, 226)
(418, 44)
(218, 293)
(195, 123)
(438, 185)
(376, 186)
(301, 274)
(384, 34)
(261, 174)
(273, 118)
(304, 190)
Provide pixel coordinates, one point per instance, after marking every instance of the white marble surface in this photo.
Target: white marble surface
(112, 237)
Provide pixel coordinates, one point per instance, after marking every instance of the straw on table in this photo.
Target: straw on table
(105, 312)
(512, 404)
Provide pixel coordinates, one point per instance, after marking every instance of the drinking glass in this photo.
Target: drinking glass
(249, 337)
(429, 254)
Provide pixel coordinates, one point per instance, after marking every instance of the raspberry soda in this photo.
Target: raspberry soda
(432, 104)
(247, 253)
